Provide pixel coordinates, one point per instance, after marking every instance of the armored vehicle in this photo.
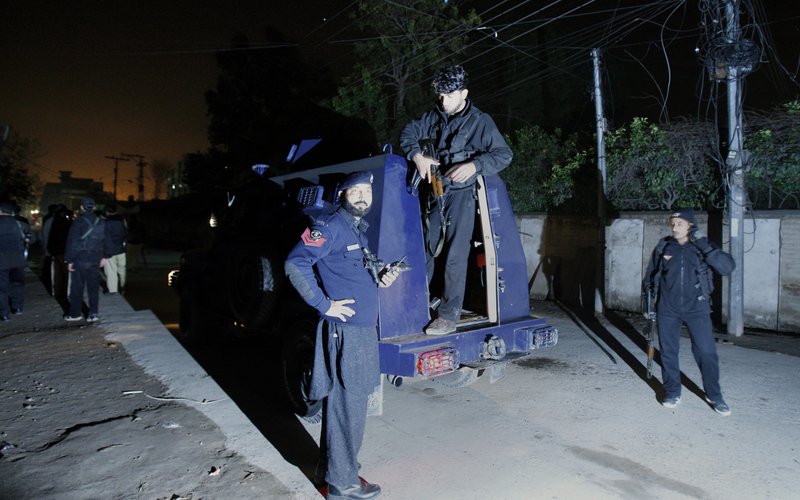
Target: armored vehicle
(238, 281)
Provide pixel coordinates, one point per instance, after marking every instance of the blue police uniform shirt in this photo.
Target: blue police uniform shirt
(333, 244)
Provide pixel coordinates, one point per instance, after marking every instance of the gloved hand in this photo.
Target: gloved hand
(703, 244)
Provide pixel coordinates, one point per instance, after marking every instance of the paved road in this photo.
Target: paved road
(571, 423)
(576, 421)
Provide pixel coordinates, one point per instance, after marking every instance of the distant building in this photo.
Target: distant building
(69, 191)
(175, 184)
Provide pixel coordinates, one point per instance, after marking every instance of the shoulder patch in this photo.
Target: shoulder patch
(312, 238)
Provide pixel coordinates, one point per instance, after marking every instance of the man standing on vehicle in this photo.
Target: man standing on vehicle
(679, 277)
(466, 143)
(336, 274)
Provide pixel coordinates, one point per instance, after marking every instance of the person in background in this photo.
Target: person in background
(14, 240)
(679, 280)
(116, 235)
(56, 246)
(135, 244)
(84, 257)
(47, 260)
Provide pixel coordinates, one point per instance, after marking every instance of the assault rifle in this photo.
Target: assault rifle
(650, 314)
(437, 181)
(437, 191)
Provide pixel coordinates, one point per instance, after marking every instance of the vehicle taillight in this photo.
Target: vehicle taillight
(437, 362)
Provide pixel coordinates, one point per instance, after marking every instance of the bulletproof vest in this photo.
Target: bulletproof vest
(705, 278)
(91, 239)
(453, 148)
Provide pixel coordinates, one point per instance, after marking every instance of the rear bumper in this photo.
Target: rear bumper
(405, 356)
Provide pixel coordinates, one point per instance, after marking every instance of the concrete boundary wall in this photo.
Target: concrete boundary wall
(561, 258)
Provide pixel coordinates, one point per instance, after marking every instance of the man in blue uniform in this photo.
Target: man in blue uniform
(14, 239)
(334, 272)
(84, 257)
(679, 277)
(466, 143)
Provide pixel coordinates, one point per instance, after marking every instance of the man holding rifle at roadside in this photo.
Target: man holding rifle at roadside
(679, 281)
(463, 143)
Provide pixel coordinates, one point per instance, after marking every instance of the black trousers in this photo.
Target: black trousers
(459, 214)
(12, 288)
(352, 372)
(86, 275)
(703, 348)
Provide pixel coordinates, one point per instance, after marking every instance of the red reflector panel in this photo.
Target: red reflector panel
(437, 362)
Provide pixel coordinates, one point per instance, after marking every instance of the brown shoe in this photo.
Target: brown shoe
(440, 326)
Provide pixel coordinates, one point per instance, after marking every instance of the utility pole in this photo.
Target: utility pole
(601, 187)
(140, 163)
(116, 159)
(736, 178)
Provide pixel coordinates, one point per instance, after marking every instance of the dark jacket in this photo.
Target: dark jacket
(59, 229)
(13, 237)
(116, 235)
(682, 275)
(85, 241)
(468, 135)
(333, 246)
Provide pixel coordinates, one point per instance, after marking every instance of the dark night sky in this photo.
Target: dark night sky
(90, 78)
(97, 78)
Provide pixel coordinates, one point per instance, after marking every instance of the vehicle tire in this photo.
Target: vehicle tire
(252, 284)
(197, 325)
(462, 377)
(191, 330)
(297, 362)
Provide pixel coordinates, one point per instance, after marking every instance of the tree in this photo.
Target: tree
(657, 168)
(405, 42)
(773, 178)
(160, 169)
(541, 175)
(17, 158)
(266, 99)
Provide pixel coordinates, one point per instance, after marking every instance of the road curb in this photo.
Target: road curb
(153, 347)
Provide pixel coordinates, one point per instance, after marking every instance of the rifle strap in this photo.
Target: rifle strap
(91, 228)
(427, 219)
(656, 274)
(21, 232)
(704, 276)
(458, 140)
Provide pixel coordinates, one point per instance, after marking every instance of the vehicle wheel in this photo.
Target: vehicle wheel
(197, 326)
(190, 320)
(297, 363)
(252, 285)
(462, 377)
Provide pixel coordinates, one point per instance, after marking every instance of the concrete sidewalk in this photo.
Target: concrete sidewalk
(119, 409)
